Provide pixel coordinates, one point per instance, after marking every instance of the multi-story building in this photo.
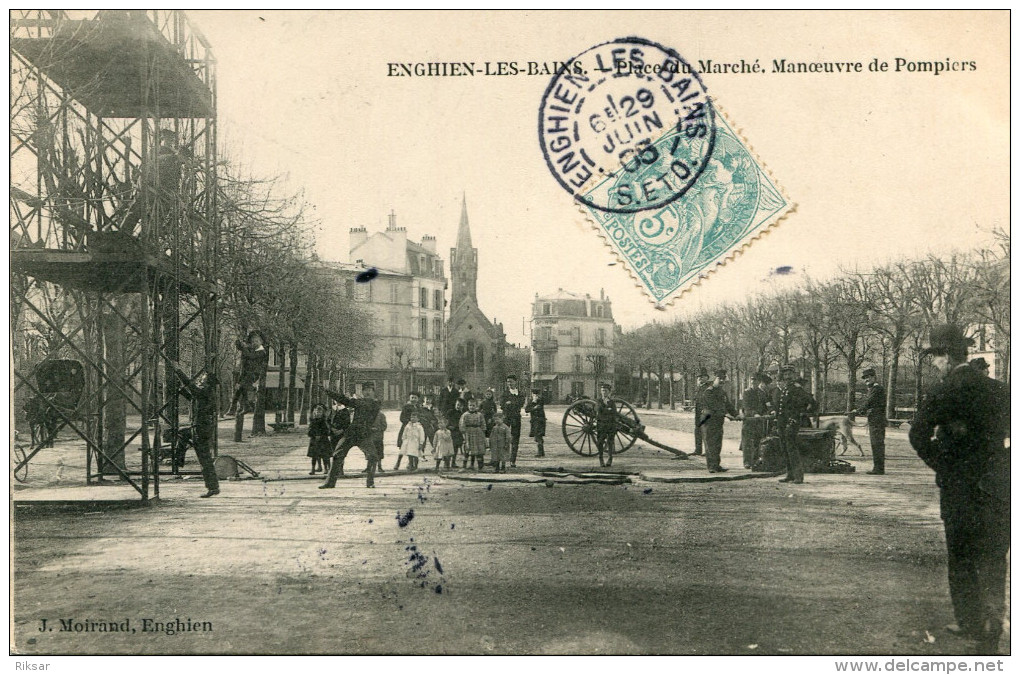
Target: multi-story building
(406, 300)
(572, 343)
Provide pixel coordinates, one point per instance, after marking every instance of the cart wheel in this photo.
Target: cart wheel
(20, 463)
(579, 428)
(624, 439)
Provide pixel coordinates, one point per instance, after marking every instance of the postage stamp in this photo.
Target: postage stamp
(628, 129)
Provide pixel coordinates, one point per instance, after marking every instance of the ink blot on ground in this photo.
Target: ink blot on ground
(404, 518)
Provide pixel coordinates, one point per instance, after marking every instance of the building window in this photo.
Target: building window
(423, 298)
(437, 326)
(363, 292)
(439, 356)
(424, 325)
(600, 363)
(577, 388)
(575, 335)
(437, 299)
(598, 311)
(546, 309)
(600, 339)
(394, 324)
(577, 363)
(394, 292)
(545, 362)
(460, 352)
(480, 360)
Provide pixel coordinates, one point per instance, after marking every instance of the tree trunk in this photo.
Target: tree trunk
(280, 392)
(307, 397)
(672, 387)
(648, 389)
(292, 385)
(890, 392)
(662, 376)
(258, 418)
(115, 408)
(851, 379)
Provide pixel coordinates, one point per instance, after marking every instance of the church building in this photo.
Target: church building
(475, 347)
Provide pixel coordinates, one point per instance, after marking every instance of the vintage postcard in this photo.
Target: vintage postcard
(510, 333)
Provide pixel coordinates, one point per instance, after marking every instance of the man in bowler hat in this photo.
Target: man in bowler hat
(961, 430)
(874, 408)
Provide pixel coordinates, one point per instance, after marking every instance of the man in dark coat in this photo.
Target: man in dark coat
(254, 362)
(874, 408)
(715, 408)
(961, 430)
(754, 407)
(412, 407)
(607, 423)
(202, 393)
(789, 404)
(510, 404)
(366, 409)
(448, 397)
(702, 384)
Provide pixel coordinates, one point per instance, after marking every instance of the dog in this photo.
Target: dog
(844, 428)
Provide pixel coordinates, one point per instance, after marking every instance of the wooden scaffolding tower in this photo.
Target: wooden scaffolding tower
(113, 231)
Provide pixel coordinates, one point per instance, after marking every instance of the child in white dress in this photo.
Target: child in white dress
(412, 442)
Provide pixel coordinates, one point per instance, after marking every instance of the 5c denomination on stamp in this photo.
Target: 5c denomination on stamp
(632, 135)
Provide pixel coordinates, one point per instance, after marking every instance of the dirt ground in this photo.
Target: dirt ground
(845, 564)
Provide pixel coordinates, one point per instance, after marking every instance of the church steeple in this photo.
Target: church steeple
(464, 264)
(463, 232)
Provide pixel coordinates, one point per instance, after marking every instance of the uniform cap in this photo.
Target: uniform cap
(979, 363)
(787, 369)
(761, 377)
(721, 373)
(702, 372)
(868, 372)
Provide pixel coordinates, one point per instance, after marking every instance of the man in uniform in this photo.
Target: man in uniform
(715, 407)
(789, 403)
(874, 408)
(510, 404)
(754, 407)
(202, 393)
(606, 424)
(703, 383)
(961, 430)
(366, 409)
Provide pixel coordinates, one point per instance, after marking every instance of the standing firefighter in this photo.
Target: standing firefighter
(789, 403)
(754, 406)
(703, 384)
(874, 408)
(510, 404)
(202, 393)
(715, 408)
(366, 410)
(961, 431)
(607, 423)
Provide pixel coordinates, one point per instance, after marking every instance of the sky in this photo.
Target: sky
(881, 165)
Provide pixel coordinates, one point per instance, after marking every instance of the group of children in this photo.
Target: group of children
(472, 433)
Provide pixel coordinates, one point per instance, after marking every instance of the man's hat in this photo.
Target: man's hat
(868, 372)
(605, 385)
(761, 377)
(979, 363)
(721, 373)
(511, 377)
(945, 338)
(702, 372)
(787, 369)
(461, 381)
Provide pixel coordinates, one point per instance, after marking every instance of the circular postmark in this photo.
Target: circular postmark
(627, 126)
